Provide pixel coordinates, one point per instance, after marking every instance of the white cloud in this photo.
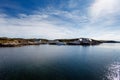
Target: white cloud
(36, 25)
(104, 8)
(54, 23)
(73, 4)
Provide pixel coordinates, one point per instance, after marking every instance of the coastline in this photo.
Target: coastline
(18, 42)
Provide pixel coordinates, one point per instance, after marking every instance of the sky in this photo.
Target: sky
(53, 19)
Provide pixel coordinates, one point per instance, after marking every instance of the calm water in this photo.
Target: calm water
(47, 62)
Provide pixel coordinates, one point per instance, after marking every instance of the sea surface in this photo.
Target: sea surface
(52, 62)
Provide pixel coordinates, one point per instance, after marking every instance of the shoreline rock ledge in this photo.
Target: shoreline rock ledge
(16, 42)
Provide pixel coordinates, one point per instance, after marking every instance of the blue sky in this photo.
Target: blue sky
(51, 19)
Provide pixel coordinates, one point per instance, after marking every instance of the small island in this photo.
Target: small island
(16, 42)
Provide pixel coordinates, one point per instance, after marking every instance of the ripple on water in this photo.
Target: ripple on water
(113, 72)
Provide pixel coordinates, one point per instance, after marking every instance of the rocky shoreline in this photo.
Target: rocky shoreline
(17, 42)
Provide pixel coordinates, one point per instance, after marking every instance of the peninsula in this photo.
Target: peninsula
(14, 42)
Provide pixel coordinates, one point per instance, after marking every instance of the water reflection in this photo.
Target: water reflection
(51, 62)
(110, 45)
(113, 72)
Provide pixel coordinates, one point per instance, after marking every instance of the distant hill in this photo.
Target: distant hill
(13, 42)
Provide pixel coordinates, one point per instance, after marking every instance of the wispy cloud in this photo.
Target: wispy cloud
(104, 8)
(98, 21)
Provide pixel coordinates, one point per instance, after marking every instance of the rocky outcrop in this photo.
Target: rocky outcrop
(13, 42)
(79, 41)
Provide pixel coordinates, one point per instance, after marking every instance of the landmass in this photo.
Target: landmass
(14, 42)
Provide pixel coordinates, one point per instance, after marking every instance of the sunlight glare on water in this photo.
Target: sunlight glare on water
(113, 72)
